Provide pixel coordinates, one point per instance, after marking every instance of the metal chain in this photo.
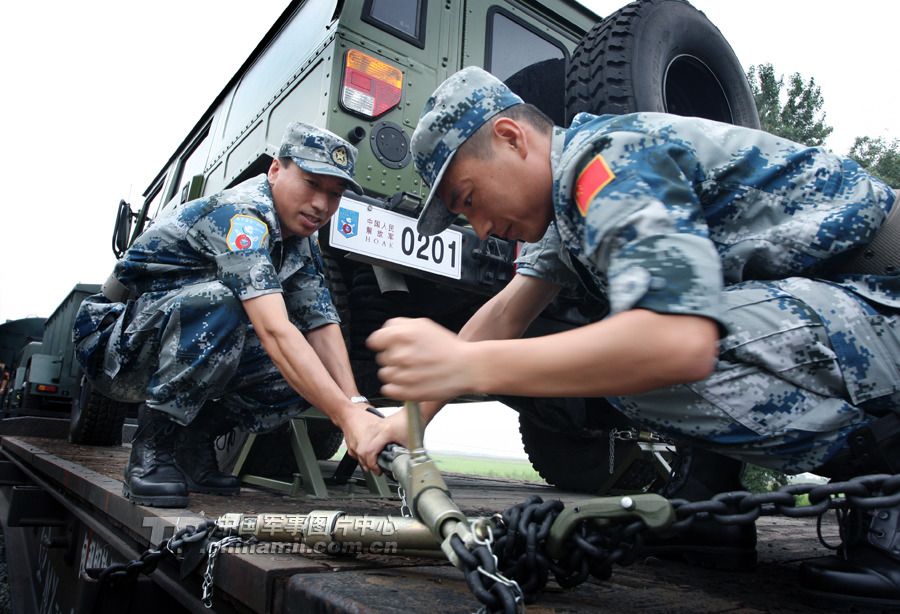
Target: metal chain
(212, 554)
(494, 590)
(519, 537)
(404, 506)
(150, 559)
(612, 450)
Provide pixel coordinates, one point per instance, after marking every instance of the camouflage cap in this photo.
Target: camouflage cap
(319, 152)
(457, 108)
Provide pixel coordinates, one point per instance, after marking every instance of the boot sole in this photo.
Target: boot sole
(154, 501)
(195, 487)
(851, 603)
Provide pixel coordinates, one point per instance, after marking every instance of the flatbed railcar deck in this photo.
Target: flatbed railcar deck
(86, 482)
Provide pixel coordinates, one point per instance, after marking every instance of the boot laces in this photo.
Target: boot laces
(226, 442)
(851, 529)
(164, 438)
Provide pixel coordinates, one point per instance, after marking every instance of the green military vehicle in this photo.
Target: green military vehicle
(364, 69)
(47, 376)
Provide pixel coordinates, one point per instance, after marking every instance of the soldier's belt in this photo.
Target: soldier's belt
(882, 255)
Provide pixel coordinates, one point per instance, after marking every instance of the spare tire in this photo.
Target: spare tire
(659, 55)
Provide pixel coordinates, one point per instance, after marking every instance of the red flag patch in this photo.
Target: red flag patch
(593, 178)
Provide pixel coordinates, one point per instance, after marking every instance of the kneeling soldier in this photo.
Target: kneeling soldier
(219, 316)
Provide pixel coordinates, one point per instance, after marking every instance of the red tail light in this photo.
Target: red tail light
(46, 388)
(371, 87)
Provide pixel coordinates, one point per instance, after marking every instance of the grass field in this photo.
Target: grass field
(478, 465)
(490, 467)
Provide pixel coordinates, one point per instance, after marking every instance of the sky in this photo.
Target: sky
(97, 95)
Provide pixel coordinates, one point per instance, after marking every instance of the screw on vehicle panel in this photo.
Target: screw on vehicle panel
(627, 503)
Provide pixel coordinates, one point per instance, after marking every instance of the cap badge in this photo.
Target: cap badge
(339, 156)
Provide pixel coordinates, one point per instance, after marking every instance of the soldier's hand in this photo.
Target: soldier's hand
(359, 428)
(389, 430)
(421, 361)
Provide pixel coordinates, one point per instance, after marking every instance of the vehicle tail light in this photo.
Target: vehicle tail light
(46, 388)
(371, 87)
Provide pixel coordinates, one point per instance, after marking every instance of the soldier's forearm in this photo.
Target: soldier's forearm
(509, 313)
(295, 358)
(630, 353)
(505, 316)
(329, 346)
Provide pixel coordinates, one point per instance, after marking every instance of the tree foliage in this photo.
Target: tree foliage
(880, 157)
(795, 114)
(761, 479)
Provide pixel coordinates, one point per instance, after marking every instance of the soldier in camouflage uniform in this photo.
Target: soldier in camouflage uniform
(218, 316)
(738, 321)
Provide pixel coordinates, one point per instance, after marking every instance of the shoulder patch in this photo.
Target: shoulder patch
(593, 178)
(246, 232)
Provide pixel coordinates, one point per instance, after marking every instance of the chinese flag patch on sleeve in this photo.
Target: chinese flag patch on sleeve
(593, 178)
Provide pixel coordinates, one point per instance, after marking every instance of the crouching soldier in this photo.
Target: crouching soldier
(219, 316)
(753, 288)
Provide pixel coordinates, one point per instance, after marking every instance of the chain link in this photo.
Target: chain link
(212, 554)
(519, 539)
(404, 506)
(612, 450)
(150, 558)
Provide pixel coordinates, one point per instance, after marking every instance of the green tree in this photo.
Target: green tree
(795, 114)
(761, 479)
(880, 157)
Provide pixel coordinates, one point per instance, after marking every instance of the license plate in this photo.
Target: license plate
(378, 233)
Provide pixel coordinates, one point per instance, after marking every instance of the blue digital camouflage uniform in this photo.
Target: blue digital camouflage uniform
(688, 216)
(186, 338)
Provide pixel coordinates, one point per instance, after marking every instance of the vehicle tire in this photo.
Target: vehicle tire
(369, 309)
(567, 442)
(96, 420)
(579, 461)
(340, 294)
(659, 55)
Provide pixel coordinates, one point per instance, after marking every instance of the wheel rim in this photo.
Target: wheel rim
(691, 89)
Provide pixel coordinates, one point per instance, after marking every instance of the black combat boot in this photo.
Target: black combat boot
(195, 456)
(865, 574)
(151, 477)
(697, 476)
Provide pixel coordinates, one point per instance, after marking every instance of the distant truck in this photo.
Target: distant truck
(15, 335)
(47, 377)
(364, 69)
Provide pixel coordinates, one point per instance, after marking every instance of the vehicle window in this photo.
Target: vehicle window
(155, 201)
(404, 19)
(193, 161)
(531, 65)
(299, 38)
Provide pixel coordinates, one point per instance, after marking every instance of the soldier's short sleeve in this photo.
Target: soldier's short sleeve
(306, 295)
(543, 260)
(237, 239)
(643, 224)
